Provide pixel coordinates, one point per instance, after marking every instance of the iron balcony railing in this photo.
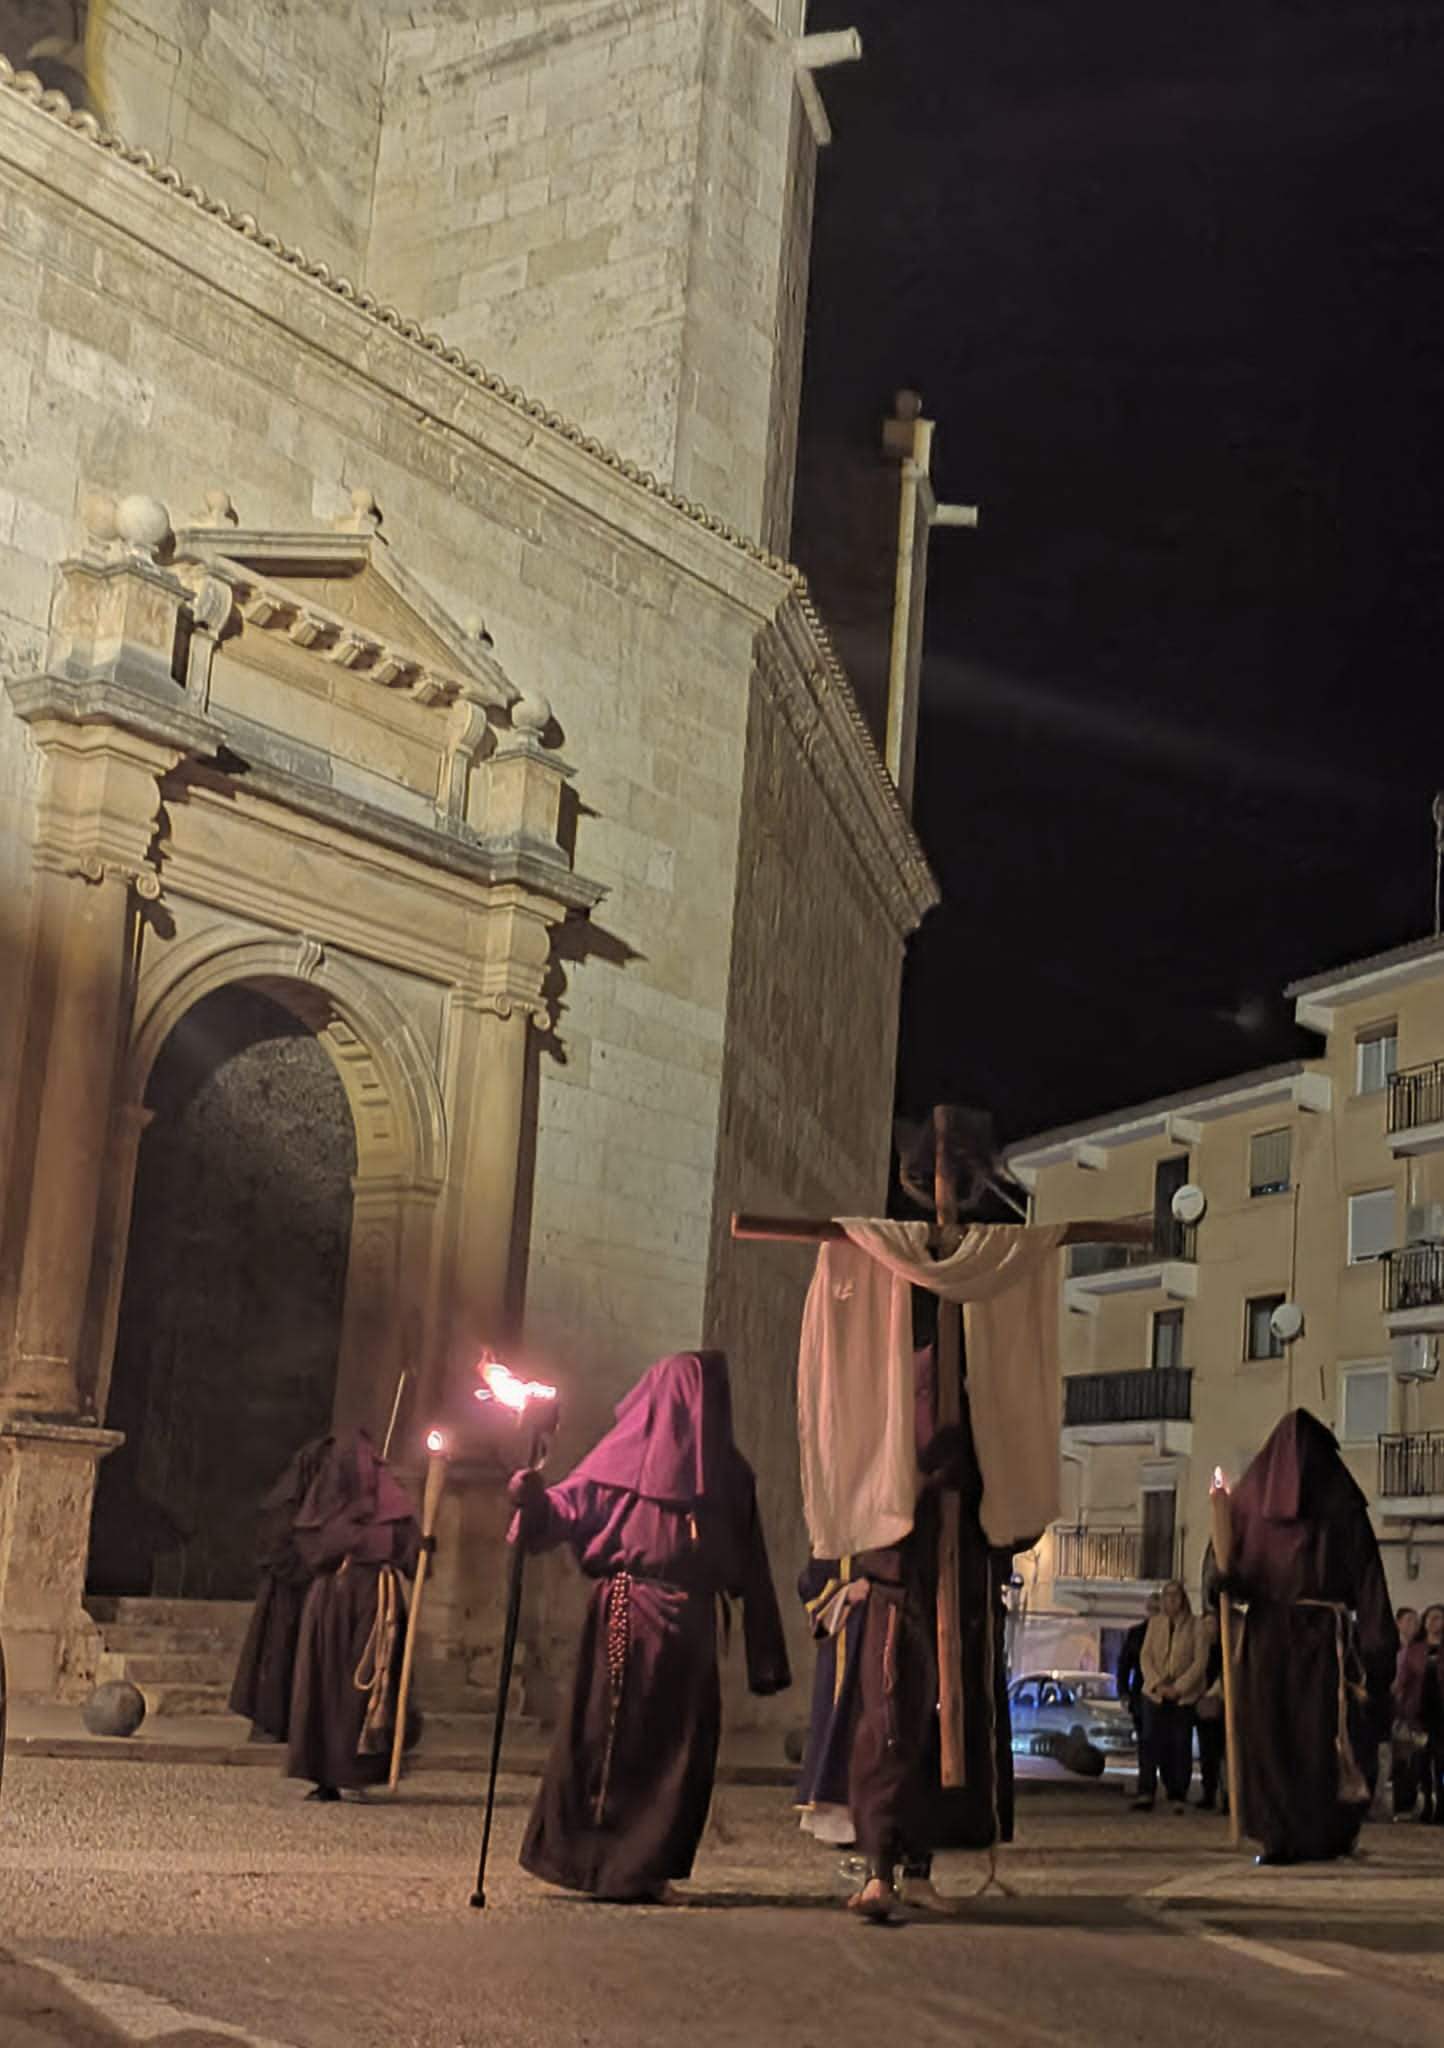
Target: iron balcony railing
(1164, 1394)
(1412, 1467)
(1413, 1277)
(1171, 1240)
(1416, 1097)
(1120, 1555)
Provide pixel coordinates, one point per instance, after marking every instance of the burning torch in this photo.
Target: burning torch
(535, 1404)
(1221, 1513)
(436, 1456)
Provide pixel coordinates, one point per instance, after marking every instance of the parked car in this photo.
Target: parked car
(1048, 1707)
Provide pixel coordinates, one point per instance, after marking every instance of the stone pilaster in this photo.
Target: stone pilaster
(47, 1481)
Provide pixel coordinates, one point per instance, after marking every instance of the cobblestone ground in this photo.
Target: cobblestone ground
(192, 1906)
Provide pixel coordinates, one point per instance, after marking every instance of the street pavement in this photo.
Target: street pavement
(205, 1907)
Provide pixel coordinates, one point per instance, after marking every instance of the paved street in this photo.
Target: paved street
(197, 1906)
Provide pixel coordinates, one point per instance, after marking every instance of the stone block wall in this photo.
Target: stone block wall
(275, 105)
(606, 202)
(806, 1106)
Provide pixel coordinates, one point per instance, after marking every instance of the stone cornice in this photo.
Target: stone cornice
(801, 673)
(551, 451)
(485, 863)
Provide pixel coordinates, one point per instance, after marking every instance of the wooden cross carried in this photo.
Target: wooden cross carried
(944, 1236)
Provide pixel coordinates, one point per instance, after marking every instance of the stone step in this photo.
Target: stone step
(165, 1642)
(222, 1616)
(190, 1700)
(167, 1667)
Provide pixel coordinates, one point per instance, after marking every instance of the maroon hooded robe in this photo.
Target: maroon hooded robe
(355, 1529)
(663, 1516)
(1305, 1558)
(266, 1667)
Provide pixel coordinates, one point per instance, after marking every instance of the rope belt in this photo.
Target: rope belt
(373, 1672)
(619, 1638)
(1353, 1786)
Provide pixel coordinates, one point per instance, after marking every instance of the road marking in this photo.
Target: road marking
(142, 2018)
(1274, 1958)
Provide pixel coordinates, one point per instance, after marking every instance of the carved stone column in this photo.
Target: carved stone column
(84, 930)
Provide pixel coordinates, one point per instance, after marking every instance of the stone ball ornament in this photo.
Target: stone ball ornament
(531, 714)
(116, 1708)
(142, 522)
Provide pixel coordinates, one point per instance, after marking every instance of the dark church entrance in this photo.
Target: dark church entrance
(235, 1277)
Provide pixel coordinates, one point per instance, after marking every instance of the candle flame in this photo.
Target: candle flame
(499, 1383)
(1218, 1484)
(435, 1442)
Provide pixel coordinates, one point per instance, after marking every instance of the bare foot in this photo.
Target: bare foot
(875, 1901)
(921, 1895)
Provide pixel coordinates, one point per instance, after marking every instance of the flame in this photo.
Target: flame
(1218, 1484)
(435, 1442)
(501, 1384)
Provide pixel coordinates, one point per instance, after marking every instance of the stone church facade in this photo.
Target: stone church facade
(443, 870)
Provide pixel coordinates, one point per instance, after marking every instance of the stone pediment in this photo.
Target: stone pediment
(350, 603)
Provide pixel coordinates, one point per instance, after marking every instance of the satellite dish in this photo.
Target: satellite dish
(1189, 1204)
(1286, 1321)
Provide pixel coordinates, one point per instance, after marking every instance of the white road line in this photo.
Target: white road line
(1274, 1958)
(142, 2018)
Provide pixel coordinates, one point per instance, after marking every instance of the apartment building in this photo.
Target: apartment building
(1323, 1186)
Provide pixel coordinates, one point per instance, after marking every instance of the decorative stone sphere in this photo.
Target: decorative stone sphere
(143, 522)
(531, 714)
(114, 1709)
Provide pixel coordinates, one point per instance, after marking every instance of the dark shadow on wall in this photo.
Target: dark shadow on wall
(48, 38)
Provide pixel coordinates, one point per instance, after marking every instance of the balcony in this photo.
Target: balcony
(1411, 1477)
(1416, 1111)
(1166, 1266)
(1414, 1288)
(1116, 1563)
(1152, 1407)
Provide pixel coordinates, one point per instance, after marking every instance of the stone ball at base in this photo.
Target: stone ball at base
(114, 1709)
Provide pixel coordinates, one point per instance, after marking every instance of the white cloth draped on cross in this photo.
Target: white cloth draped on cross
(855, 1400)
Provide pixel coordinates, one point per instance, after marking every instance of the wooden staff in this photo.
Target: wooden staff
(1222, 1516)
(430, 1505)
(949, 1414)
(395, 1411)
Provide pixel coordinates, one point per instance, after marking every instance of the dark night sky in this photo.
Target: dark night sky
(1170, 278)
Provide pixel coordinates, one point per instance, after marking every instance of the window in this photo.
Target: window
(1160, 1521)
(1259, 1339)
(1167, 1352)
(1270, 1160)
(1371, 1225)
(1364, 1403)
(1377, 1056)
(1026, 1694)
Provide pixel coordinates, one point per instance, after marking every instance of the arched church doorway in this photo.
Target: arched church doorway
(231, 1310)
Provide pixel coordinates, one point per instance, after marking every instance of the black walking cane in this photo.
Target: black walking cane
(500, 1385)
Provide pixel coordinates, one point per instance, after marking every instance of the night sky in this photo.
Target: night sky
(1170, 278)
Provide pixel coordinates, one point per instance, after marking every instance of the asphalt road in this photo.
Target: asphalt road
(178, 1901)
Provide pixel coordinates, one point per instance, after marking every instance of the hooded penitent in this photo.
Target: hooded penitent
(1319, 1644)
(663, 1516)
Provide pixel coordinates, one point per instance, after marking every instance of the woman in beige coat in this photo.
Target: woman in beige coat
(1174, 1662)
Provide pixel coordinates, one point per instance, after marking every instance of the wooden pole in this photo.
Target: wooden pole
(395, 1411)
(1127, 1230)
(949, 1412)
(1221, 1512)
(430, 1504)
